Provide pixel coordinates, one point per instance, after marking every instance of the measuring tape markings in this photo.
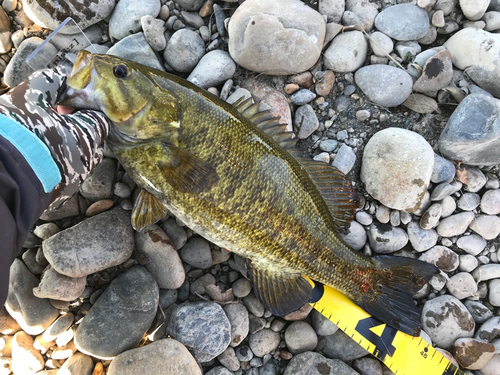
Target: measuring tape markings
(401, 353)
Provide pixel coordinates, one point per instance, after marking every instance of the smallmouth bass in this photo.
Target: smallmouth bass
(229, 173)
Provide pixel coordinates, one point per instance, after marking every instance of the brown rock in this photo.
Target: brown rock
(6, 346)
(473, 354)
(207, 8)
(98, 207)
(42, 345)
(304, 79)
(291, 88)
(325, 85)
(25, 358)
(8, 325)
(65, 351)
(299, 314)
(437, 73)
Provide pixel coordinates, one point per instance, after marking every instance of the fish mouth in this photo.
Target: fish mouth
(80, 88)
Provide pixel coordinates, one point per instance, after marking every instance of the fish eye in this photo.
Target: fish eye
(120, 71)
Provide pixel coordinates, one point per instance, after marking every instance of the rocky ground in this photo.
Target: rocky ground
(406, 108)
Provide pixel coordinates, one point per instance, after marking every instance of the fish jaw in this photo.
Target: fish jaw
(81, 88)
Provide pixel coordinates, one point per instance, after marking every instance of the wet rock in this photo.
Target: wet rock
(479, 312)
(258, 24)
(201, 326)
(126, 17)
(347, 52)
(311, 363)
(33, 314)
(446, 319)
(214, 68)
(472, 354)
(397, 166)
(121, 315)
(415, 26)
(166, 356)
(155, 246)
(95, 244)
(489, 330)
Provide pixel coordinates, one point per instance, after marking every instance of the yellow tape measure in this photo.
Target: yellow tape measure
(402, 353)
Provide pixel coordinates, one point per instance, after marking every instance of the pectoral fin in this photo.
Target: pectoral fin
(147, 210)
(186, 172)
(280, 292)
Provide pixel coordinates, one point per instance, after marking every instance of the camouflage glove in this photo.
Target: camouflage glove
(74, 140)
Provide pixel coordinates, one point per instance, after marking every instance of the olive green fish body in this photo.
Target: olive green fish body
(233, 184)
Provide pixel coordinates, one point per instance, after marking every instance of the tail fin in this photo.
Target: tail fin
(393, 300)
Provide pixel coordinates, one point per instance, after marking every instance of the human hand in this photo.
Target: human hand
(74, 140)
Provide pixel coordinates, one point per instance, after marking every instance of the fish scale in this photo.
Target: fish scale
(240, 187)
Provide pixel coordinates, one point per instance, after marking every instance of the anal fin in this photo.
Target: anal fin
(280, 292)
(147, 210)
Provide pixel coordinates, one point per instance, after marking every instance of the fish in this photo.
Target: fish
(235, 176)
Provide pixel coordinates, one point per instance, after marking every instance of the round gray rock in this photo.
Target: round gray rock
(126, 17)
(487, 226)
(136, 48)
(384, 84)
(311, 363)
(264, 342)
(202, 327)
(397, 167)
(237, 315)
(213, 69)
(421, 239)
(281, 37)
(355, 236)
(446, 319)
(61, 287)
(99, 185)
(184, 50)
(196, 252)
(403, 22)
(347, 52)
(490, 202)
(163, 357)
(300, 337)
(100, 242)
(385, 239)
(121, 316)
(455, 225)
(472, 244)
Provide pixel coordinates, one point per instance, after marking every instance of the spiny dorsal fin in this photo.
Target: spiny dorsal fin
(340, 196)
(271, 126)
(280, 292)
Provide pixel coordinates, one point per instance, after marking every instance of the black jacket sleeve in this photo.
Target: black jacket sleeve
(22, 201)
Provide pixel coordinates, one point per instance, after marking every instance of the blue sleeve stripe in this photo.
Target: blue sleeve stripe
(34, 151)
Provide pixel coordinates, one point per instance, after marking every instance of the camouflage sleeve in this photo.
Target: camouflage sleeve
(74, 141)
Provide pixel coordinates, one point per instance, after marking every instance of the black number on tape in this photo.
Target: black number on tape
(383, 343)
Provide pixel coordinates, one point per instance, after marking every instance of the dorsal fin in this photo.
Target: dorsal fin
(271, 126)
(340, 196)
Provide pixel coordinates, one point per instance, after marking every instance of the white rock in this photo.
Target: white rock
(213, 69)
(397, 167)
(455, 225)
(474, 9)
(356, 236)
(333, 9)
(421, 239)
(469, 201)
(365, 12)
(449, 206)
(462, 285)
(347, 52)
(472, 244)
(442, 257)
(490, 202)
(430, 218)
(381, 44)
(494, 295)
(487, 226)
(476, 178)
(487, 272)
(467, 263)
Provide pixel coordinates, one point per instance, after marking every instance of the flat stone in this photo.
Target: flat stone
(436, 73)
(431, 216)
(153, 244)
(294, 30)
(469, 201)
(340, 346)
(136, 48)
(78, 363)
(486, 272)
(126, 17)
(487, 226)
(306, 121)
(58, 327)
(237, 315)
(214, 68)
(93, 245)
(312, 363)
(396, 169)
(489, 330)
(121, 315)
(190, 5)
(162, 357)
(33, 314)
(479, 312)
(421, 239)
(384, 84)
(302, 97)
(345, 159)
(472, 244)
(476, 180)
(441, 191)
(462, 285)
(403, 22)
(446, 319)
